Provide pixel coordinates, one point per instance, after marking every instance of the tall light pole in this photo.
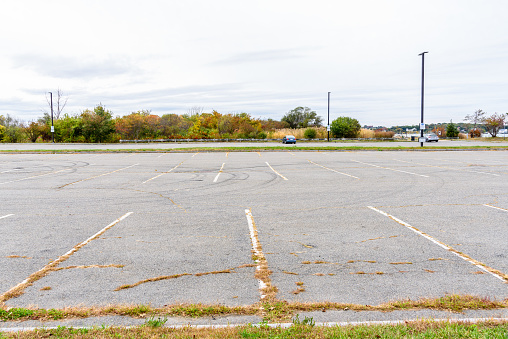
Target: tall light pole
(328, 126)
(423, 76)
(52, 127)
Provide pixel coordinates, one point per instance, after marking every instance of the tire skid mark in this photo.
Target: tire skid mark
(19, 289)
(492, 271)
(266, 289)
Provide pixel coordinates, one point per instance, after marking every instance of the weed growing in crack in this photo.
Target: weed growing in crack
(156, 322)
(307, 321)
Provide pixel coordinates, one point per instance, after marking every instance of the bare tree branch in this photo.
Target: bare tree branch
(60, 103)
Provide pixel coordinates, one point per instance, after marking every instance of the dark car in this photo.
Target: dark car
(289, 139)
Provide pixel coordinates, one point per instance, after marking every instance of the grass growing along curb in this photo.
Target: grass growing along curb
(266, 148)
(299, 329)
(272, 310)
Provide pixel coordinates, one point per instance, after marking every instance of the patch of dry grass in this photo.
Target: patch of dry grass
(298, 133)
(272, 309)
(366, 133)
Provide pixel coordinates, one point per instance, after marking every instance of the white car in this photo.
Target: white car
(431, 137)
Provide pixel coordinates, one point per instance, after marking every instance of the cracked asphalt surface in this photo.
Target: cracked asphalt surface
(187, 239)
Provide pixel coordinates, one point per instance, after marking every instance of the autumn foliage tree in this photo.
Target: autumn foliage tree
(494, 123)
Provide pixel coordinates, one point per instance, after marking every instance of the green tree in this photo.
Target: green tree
(345, 127)
(68, 128)
(302, 117)
(97, 125)
(310, 133)
(2, 132)
(13, 131)
(451, 130)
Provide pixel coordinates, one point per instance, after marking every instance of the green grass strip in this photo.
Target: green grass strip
(264, 149)
(305, 329)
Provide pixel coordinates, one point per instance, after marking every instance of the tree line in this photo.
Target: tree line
(98, 125)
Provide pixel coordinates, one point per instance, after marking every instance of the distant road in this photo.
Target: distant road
(173, 145)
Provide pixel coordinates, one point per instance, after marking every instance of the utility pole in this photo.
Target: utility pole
(52, 127)
(422, 125)
(328, 126)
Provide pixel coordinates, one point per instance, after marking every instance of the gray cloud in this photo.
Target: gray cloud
(85, 67)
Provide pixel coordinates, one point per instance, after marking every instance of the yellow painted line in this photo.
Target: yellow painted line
(43, 271)
(497, 208)
(330, 169)
(450, 168)
(391, 169)
(501, 276)
(258, 153)
(195, 154)
(35, 176)
(280, 175)
(227, 154)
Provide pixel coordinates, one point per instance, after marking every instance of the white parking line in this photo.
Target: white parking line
(220, 171)
(280, 175)
(256, 248)
(144, 182)
(6, 216)
(35, 176)
(497, 208)
(43, 271)
(349, 175)
(450, 168)
(391, 169)
(501, 276)
(97, 176)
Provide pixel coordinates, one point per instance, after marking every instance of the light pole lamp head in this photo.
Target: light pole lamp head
(423, 53)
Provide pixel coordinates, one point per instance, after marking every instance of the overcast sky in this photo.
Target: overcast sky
(260, 57)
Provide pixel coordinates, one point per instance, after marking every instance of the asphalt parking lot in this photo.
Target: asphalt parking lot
(164, 228)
